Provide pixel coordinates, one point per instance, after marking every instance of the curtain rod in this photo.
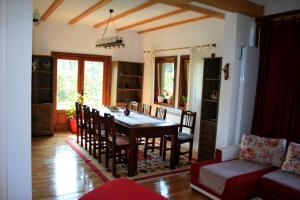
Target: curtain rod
(179, 48)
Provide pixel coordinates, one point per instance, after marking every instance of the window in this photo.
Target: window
(183, 81)
(165, 80)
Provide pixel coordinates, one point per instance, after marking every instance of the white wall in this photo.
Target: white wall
(3, 178)
(56, 36)
(239, 30)
(15, 104)
(278, 6)
(192, 34)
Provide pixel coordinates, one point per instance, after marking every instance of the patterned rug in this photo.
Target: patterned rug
(151, 167)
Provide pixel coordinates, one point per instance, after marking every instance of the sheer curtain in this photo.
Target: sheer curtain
(195, 80)
(149, 73)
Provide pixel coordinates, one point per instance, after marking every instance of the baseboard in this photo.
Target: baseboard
(204, 192)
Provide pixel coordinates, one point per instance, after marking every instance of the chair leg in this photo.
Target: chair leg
(164, 149)
(146, 147)
(191, 151)
(81, 137)
(114, 164)
(178, 152)
(153, 144)
(106, 157)
(94, 148)
(99, 150)
(90, 143)
(77, 134)
(85, 138)
(160, 146)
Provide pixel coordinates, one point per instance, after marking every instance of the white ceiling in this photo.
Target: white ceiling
(72, 8)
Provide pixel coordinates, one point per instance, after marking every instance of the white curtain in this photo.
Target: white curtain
(196, 78)
(149, 76)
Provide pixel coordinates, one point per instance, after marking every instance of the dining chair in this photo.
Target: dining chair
(117, 145)
(133, 105)
(160, 113)
(87, 127)
(98, 135)
(146, 109)
(79, 123)
(187, 121)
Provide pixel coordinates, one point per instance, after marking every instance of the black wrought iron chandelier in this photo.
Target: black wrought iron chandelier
(113, 41)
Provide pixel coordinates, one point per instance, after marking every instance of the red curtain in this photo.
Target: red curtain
(277, 105)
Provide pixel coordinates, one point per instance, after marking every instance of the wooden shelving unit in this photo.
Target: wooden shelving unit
(42, 78)
(127, 82)
(210, 106)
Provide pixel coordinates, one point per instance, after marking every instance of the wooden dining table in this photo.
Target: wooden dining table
(140, 125)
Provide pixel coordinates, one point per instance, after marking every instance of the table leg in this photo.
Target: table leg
(132, 163)
(173, 160)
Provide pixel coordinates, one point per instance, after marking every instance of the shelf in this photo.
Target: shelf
(209, 100)
(165, 104)
(128, 89)
(39, 71)
(131, 76)
(208, 121)
(211, 79)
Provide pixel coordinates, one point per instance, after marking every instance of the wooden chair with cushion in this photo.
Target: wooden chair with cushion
(79, 123)
(117, 145)
(146, 109)
(160, 113)
(98, 135)
(188, 120)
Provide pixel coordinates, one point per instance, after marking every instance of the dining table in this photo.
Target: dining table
(137, 125)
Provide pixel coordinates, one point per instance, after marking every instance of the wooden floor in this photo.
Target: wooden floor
(59, 173)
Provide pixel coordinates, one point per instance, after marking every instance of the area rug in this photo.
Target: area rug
(151, 167)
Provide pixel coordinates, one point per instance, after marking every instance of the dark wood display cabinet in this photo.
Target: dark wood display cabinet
(127, 82)
(42, 77)
(209, 108)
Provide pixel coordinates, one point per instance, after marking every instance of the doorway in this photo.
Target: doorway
(79, 74)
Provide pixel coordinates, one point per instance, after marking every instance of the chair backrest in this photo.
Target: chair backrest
(110, 129)
(160, 113)
(78, 112)
(87, 116)
(188, 120)
(96, 126)
(133, 105)
(146, 109)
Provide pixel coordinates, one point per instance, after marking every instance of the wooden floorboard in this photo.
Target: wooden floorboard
(59, 173)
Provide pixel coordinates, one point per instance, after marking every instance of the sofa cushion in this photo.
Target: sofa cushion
(266, 151)
(214, 176)
(279, 185)
(292, 160)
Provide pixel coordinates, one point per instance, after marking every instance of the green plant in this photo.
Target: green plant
(80, 98)
(70, 113)
(183, 99)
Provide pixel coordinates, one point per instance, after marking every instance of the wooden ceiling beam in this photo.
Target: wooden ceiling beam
(184, 4)
(155, 18)
(51, 9)
(88, 11)
(174, 24)
(240, 6)
(128, 12)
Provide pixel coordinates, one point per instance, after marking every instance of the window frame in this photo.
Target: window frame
(183, 58)
(160, 60)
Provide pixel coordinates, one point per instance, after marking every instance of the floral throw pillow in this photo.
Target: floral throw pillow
(266, 151)
(292, 159)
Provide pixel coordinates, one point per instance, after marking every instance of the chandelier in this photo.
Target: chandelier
(112, 41)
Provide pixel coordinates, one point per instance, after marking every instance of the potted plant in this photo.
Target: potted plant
(72, 119)
(160, 98)
(170, 99)
(183, 101)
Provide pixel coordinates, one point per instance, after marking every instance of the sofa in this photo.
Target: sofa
(258, 167)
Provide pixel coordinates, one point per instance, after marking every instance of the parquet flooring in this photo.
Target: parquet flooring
(59, 173)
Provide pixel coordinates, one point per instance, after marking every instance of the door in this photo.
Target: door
(77, 74)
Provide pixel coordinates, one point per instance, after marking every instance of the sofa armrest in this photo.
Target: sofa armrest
(227, 153)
